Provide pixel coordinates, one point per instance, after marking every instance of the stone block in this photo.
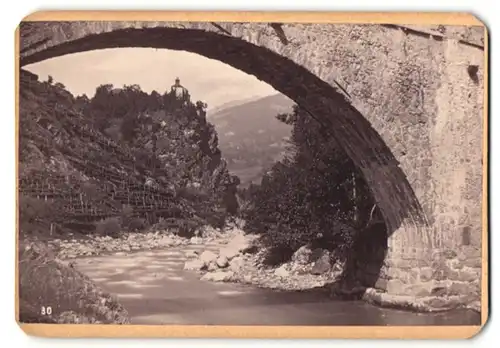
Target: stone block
(437, 303)
(453, 302)
(414, 274)
(473, 262)
(412, 263)
(471, 252)
(442, 272)
(446, 254)
(439, 291)
(395, 287)
(389, 263)
(381, 284)
(418, 290)
(404, 264)
(426, 274)
(455, 264)
(469, 298)
(396, 273)
(461, 288)
(464, 275)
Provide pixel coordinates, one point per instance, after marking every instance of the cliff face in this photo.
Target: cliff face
(168, 166)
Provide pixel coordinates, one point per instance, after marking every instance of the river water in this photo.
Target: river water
(155, 289)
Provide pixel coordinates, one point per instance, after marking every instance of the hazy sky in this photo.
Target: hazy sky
(206, 79)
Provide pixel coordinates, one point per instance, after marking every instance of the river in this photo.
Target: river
(155, 289)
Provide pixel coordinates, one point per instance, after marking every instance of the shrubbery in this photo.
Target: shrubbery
(137, 224)
(109, 227)
(35, 215)
(314, 196)
(180, 226)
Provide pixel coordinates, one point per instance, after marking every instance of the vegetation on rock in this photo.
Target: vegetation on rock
(52, 292)
(88, 158)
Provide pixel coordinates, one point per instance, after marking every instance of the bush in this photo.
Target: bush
(137, 224)
(188, 228)
(182, 227)
(109, 227)
(35, 215)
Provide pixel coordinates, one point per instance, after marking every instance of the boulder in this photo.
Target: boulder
(212, 266)
(282, 272)
(322, 265)
(317, 253)
(208, 256)
(194, 265)
(302, 255)
(191, 254)
(241, 242)
(222, 262)
(219, 276)
(229, 252)
(196, 240)
(236, 264)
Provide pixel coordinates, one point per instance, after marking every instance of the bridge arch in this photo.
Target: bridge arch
(323, 101)
(413, 123)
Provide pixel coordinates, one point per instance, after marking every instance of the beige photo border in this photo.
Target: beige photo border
(206, 331)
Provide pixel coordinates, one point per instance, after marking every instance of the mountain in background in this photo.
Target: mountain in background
(250, 137)
(230, 104)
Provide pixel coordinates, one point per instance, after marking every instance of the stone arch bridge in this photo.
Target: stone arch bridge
(405, 103)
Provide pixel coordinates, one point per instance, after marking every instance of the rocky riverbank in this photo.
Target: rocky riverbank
(239, 259)
(71, 248)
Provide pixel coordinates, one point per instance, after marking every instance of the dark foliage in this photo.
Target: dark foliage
(314, 196)
(35, 215)
(109, 227)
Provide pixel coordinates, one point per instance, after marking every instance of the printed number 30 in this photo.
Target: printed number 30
(46, 310)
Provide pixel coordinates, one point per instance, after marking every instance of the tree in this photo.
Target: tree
(303, 197)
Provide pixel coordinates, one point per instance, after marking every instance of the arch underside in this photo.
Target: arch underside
(353, 132)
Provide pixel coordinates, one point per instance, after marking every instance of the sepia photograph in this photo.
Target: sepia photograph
(251, 173)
